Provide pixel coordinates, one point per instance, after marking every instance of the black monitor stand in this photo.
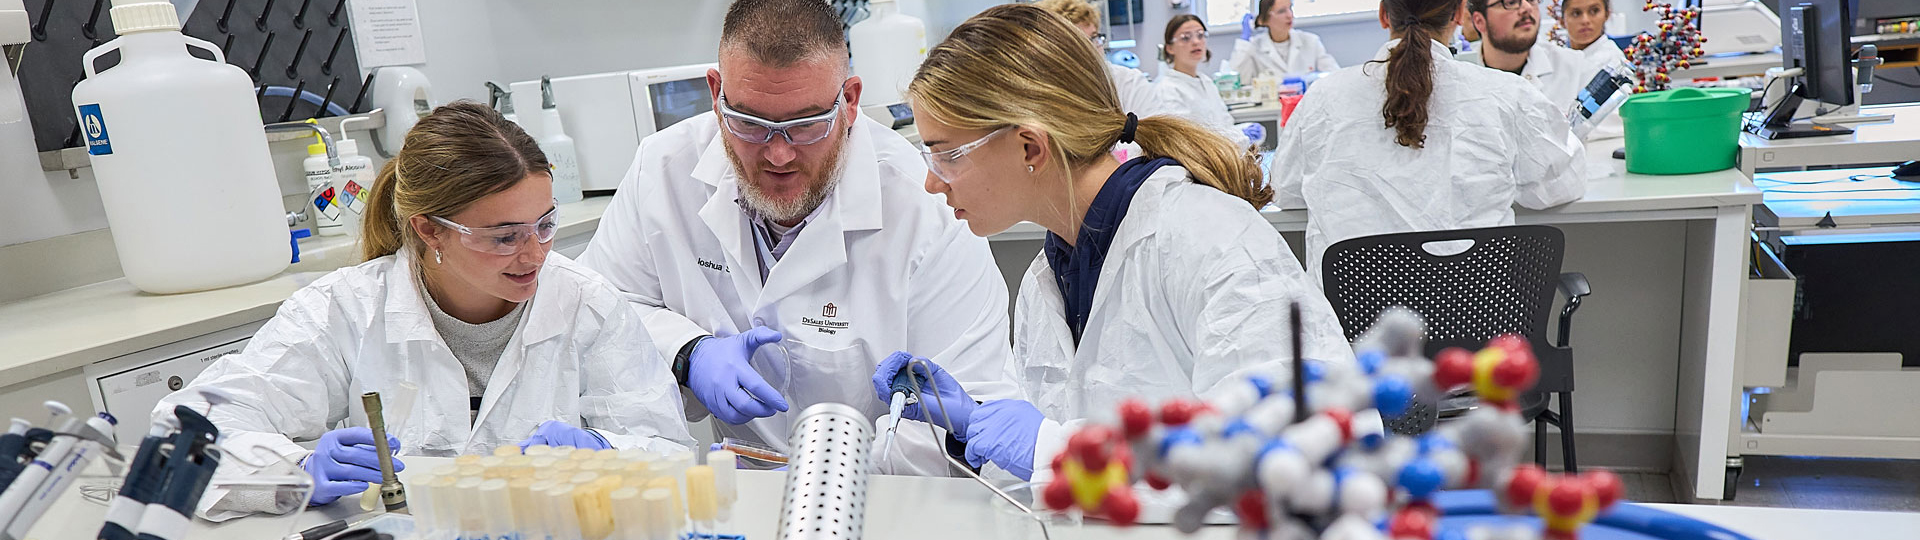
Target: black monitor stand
(1779, 121)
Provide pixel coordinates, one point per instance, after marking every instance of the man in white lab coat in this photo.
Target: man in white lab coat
(1510, 32)
(782, 248)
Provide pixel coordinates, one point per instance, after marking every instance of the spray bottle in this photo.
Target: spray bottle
(558, 147)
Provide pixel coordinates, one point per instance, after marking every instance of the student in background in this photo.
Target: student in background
(1511, 32)
(1458, 147)
(1189, 92)
(1586, 22)
(1279, 50)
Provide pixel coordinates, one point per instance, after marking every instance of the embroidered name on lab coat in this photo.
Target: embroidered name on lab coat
(713, 265)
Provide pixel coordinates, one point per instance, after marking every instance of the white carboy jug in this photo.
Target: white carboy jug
(181, 158)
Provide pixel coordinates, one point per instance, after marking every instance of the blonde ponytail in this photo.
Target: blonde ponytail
(1210, 158)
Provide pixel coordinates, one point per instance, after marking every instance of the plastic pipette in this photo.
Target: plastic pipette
(702, 504)
(660, 522)
(724, 465)
(903, 395)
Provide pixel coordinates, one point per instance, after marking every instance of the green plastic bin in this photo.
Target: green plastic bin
(1684, 131)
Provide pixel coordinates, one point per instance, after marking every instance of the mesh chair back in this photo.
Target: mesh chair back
(1503, 284)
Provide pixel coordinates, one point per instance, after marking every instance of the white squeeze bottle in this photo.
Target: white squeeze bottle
(181, 158)
(887, 47)
(350, 184)
(320, 192)
(558, 147)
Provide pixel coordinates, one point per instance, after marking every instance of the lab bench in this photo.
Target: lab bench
(942, 508)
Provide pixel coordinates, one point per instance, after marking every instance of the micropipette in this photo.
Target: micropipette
(903, 395)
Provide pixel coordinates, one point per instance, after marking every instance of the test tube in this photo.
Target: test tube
(506, 450)
(562, 520)
(496, 509)
(422, 502)
(538, 450)
(466, 460)
(640, 470)
(526, 514)
(494, 466)
(606, 453)
(724, 463)
(590, 501)
(629, 516)
(658, 515)
(639, 454)
(580, 454)
(676, 517)
(446, 513)
(469, 512)
(701, 502)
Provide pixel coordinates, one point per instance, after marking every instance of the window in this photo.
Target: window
(1228, 12)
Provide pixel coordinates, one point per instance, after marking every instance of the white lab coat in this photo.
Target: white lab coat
(1194, 290)
(882, 267)
(1602, 53)
(579, 355)
(1558, 72)
(1301, 53)
(1197, 99)
(1492, 141)
(1137, 94)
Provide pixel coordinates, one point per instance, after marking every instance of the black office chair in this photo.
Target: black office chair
(1503, 283)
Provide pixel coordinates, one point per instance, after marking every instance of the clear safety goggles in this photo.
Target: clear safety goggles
(505, 239)
(945, 164)
(798, 131)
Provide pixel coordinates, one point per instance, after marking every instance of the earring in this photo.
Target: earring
(1029, 169)
(436, 256)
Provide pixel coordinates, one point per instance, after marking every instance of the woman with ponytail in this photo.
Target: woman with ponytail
(1159, 277)
(1416, 141)
(459, 297)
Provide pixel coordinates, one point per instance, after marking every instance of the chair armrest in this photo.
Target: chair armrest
(1574, 286)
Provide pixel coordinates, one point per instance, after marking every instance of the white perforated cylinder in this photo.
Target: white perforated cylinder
(826, 495)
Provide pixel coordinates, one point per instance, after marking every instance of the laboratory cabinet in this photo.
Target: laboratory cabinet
(129, 386)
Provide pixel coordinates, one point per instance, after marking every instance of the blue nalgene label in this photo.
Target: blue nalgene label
(94, 127)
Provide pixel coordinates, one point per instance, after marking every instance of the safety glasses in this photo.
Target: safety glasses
(505, 239)
(798, 131)
(945, 163)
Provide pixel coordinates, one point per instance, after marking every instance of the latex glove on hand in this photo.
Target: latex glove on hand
(1256, 133)
(344, 462)
(1004, 432)
(557, 433)
(959, 406)
(1246, 27)
(720, 373)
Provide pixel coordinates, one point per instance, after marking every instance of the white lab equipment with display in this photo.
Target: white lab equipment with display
(607, 114)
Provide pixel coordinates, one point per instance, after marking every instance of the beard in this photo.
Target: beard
(1513, 41)
(822, 178)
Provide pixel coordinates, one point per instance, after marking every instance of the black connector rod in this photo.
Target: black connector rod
(224, 15)
(261, 23)
(226, 49)
(362, 96)
(1300, 411)
(40, 28)
(262, 58)
(73, 141)
(326, 68)
(328, 99)
(333, 17)
(300, 17)
(293, 68)
(293, 101)
(93, 20)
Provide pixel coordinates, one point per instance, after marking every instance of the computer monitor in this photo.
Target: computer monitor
(1815, 38)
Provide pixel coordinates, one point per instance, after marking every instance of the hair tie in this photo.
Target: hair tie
(1126, 133)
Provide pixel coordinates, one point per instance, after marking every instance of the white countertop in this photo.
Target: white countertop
(940, 508)
(1613, 194)
(64, 330)
(1802, 199)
